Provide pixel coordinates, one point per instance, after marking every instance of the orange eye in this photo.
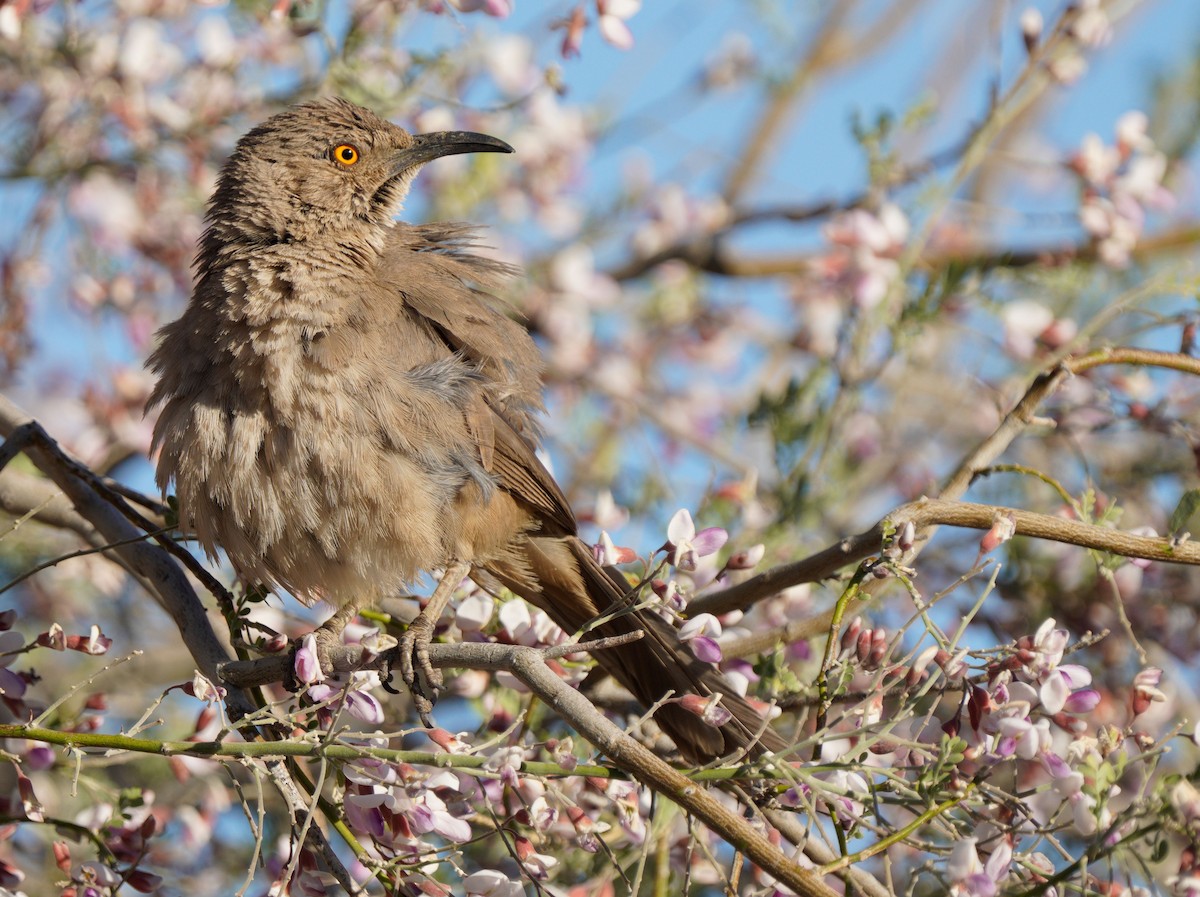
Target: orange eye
(346, 154)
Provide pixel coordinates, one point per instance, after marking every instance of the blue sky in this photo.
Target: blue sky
(818, 157)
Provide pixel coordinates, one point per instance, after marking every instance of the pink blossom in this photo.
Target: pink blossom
(1146, 690)
(1186, 801)
(573, 272)
(701, 633)
(307, 663)
(12, 686)
(1057, 685)
(613, 16)
(686, 545)
(1120, 183)
(1091, 26)
(94, 643)
(606, 513)
(490, 883)
(708, 708)
(430, 814)
(506, 761)
(844, 789)
(972, 878)
(609, 554)
(1131, 130)
(475, 612)
(1024, 321)
(1048, 644)
(510, 62)
(147, 53)
(863, 263)
(1067, 68)
(1095, 162)
(10, 22)
(38, 756)
(1004, 527)
(526, 627)
(354, 693)
(536, 865)
(203, 688)
(499, 9)
(1083, 701)
(1021, 737)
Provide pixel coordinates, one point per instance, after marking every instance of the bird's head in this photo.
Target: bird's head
(325, 169)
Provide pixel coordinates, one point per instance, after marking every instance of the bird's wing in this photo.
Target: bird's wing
(442, 284)
(448, 286)
(521, 473)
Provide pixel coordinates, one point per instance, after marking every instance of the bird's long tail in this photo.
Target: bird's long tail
(563, 578)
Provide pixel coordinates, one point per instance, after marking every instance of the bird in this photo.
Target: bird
(344, 405)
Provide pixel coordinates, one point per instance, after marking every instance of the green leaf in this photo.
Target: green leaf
(1189, 504)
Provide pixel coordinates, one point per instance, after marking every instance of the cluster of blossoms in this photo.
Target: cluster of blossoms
(866, 244)
(611, 19)
(1088, 26)
(13, 684)
(1119, 184)
(125, 832)
(351, 692)
(406, 815)
(1030, 710)
(673, 214)
(693, 554)
(858, 272)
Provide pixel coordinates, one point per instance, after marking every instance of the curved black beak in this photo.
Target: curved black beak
(427, 147)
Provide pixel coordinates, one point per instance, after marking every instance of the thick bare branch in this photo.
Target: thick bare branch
(171, 588)
(927, 512)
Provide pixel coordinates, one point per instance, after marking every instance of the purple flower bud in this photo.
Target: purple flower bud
(706, 649)
(1083, 701)
(748, 559)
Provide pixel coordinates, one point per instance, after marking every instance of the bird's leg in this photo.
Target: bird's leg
(416, 671)
(329, 634)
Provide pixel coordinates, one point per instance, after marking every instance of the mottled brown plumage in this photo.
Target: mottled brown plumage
(345, 405)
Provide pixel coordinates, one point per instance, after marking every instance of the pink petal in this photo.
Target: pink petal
(1082, 701)
(451, 827)
(11, 685)
(308, 665)
(701, 624)
(616, 32)
(709, 541)
(706, 649)
(321, 692)
(1077, 676)
(681, 529)
(363, 706)
(1054, 692)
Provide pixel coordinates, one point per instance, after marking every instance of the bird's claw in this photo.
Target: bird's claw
(423, 681)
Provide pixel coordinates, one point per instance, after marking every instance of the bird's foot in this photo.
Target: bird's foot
(329, 636)
(423, 681)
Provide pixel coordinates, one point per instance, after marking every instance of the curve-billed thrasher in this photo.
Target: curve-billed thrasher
(344, 406)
